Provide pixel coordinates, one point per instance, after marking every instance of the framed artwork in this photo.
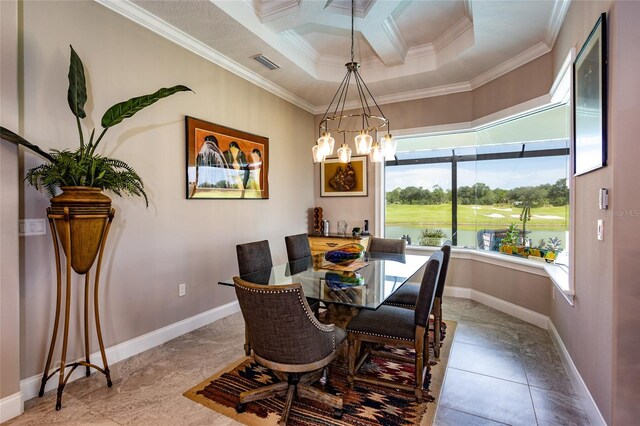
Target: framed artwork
(225, 163)
(590, 101)
(343, 180)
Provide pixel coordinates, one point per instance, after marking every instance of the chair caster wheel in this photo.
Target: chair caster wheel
(240, 408)
(337, 414)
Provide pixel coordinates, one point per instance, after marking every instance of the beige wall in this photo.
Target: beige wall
(509, 90)
(176, 240)
(524, 286)
(586, 328)
(9, 185)
(625, 203)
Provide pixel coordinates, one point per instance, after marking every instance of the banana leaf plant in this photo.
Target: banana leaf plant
(82, 166)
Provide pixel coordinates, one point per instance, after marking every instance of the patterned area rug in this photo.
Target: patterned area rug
(364, 405)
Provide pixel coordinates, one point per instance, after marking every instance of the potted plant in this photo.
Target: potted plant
(432, 237)
(553, 247)
(509, 243)
(82, 174)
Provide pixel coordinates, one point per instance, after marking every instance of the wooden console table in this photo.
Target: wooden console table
(322, 243)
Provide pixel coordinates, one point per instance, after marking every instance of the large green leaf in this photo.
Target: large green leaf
(9, 136)
(126, 109)
(77, 94)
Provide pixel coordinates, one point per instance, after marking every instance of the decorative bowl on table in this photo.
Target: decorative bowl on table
(343, 279)
(345, 255)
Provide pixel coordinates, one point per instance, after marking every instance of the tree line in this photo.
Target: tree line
(556, 194)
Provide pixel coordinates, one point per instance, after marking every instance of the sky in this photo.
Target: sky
(505, 174)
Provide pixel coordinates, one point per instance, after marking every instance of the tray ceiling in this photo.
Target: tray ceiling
(407, 49)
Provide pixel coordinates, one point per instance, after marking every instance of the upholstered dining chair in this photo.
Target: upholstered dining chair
(288, 339)
(299, 255)
(297, 246)
(395, 326)
(254, 260)
(407, 295)
(253, 257)
(386, 245)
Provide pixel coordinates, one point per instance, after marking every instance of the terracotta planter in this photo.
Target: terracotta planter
(89, 210)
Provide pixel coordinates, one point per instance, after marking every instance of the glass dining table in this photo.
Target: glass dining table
(365, 284)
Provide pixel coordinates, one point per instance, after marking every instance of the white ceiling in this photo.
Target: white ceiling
(408, 49)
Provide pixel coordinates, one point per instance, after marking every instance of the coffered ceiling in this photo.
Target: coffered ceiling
(408, 49)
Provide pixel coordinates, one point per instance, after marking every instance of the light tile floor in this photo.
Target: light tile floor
(501, 371)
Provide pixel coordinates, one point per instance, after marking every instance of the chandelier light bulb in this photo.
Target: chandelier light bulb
(326, 143)
(389, 146)
(318, 154)
(376, 155)
(363, 143)
(344, 153)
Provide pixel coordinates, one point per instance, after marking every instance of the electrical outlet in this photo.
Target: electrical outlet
(600, 230)
(32, 227)
(182, 289)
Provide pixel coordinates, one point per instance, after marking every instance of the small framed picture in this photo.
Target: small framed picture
(225, 163)
(590, 101)
(344, 180)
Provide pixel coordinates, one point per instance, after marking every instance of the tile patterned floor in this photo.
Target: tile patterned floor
(501, 371)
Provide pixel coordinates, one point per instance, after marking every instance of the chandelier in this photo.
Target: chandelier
(367, 118)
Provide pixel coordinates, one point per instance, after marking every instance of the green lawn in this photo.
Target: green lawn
(474, 217)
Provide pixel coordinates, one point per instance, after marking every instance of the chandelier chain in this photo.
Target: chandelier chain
(353, 18)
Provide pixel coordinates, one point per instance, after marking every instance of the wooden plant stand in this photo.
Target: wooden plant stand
(62, 227)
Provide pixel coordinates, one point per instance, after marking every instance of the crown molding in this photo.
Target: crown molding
(171, 33)
(408, 96)
(559, 12)
(395, 37)
(463, 25)
(267, 10)
(302, 44)
(516, 62)
(494, 73)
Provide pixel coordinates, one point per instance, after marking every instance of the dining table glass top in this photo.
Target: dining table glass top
(364, 284)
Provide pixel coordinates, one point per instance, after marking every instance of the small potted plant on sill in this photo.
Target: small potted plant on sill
(82, 174)
(509, 243)
(553, 246)
(432, 237)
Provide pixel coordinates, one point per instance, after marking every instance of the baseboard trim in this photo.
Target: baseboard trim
(512, 309)
(30, 386)
(590, 406)
(11, 406)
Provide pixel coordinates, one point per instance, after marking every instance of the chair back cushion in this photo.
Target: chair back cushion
(386, 245)
(297, 246)
(281, 326)
(428, 288)
(446, 250)
(253, 257)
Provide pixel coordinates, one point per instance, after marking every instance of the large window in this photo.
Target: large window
(474, 187)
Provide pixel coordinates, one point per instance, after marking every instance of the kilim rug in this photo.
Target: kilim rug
(364, 405)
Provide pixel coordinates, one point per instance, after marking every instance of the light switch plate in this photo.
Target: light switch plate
(29, 227)
(603, 199)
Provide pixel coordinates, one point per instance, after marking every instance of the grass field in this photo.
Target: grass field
(476, 217)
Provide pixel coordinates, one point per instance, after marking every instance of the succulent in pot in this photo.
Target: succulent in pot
(83, 166)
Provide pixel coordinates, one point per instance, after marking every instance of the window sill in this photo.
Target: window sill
(558, 274)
